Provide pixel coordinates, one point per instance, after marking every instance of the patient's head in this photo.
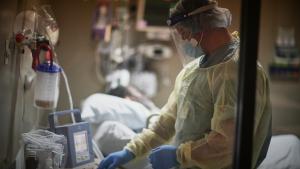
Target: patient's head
(119, 91)
(133, 94)
(128, 92)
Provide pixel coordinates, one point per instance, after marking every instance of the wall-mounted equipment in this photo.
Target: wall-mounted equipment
(152, 17)
(286, 62)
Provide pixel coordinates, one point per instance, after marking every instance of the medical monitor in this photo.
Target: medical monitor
(152, 15)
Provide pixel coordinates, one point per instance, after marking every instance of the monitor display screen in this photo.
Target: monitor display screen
(81, 146)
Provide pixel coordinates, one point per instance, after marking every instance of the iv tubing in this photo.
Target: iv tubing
(69, 94)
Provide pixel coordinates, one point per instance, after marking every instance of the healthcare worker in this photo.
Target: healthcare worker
(199, 117)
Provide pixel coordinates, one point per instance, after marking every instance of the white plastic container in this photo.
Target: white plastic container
(46, 90)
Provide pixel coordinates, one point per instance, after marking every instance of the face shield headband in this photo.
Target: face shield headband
(183, 16)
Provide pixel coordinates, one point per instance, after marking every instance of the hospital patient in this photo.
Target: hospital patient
(116, 117)
(122, 104)
(199, 116)
(131, 93)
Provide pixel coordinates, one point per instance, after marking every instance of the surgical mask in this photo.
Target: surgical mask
(192, 50)
(188, 50)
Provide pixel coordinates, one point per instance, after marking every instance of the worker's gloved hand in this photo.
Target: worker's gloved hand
(116, 159)
(164, 157)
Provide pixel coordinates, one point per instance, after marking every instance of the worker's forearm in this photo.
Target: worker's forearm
(157, 135)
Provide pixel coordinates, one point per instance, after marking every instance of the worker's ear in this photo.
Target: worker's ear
(199, 37)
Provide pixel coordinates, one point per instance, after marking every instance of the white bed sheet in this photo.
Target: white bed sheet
(283, 153)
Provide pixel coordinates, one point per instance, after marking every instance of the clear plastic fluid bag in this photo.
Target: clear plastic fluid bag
(37, 21)
(48, 24)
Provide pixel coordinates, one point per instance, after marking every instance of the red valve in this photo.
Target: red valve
(19, 38)
(48, 57)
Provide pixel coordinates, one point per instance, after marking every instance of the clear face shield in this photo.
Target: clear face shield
(187, 47)
(183, 33)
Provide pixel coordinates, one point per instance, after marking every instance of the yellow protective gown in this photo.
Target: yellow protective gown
(200, 116)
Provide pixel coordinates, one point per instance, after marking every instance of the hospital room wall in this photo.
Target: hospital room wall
(285, 95)
(76, 51)
(76, 54)
(15, 103)
(8, 10)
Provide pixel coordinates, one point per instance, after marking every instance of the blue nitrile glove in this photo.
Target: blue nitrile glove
(116, 159)
(164, 157)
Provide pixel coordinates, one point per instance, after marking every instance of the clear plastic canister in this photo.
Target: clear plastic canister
(46, 90)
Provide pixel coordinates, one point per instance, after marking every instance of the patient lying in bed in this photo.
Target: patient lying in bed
(99, 108)
(115, 121)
